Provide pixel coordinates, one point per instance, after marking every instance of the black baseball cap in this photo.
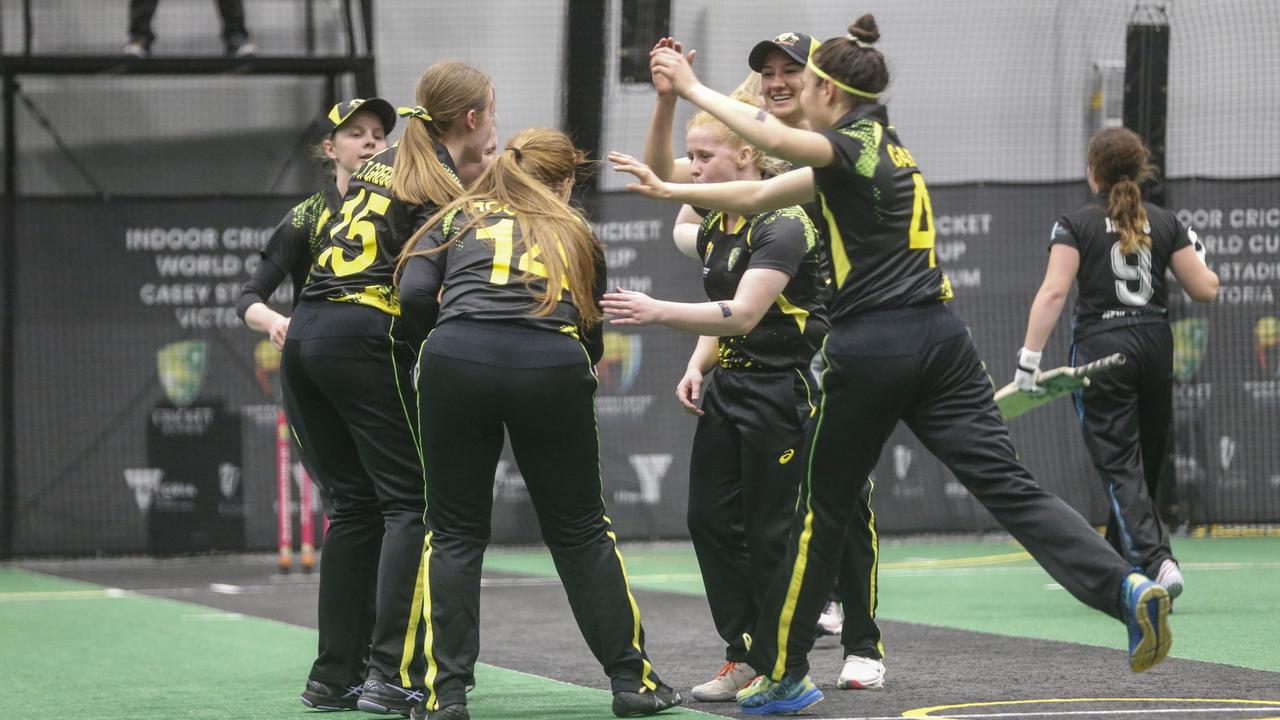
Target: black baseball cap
(343, 111)
(797, 46)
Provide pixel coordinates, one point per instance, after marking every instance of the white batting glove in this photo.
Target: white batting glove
(1028, 370)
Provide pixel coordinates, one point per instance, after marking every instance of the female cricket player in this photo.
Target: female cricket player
(894, 352)
(516, 335)
(1118, 248)
(352, 403)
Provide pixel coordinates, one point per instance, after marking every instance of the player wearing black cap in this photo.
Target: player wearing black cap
(895, 352)
(357, 131)
(1118, 249)
(763, 274)
(516, 333)
(351, 393)
(779, 65)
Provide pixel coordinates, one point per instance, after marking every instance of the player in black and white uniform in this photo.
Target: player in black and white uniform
(894, 352)
(510, 278)
(1119, 249)
(352, 404)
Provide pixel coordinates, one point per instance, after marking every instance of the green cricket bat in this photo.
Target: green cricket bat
(1056, 383)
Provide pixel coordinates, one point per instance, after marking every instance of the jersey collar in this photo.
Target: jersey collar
(875, 111)
(442, 154)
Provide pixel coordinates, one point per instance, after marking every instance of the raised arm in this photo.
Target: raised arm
(755, 125)
(658, 151)
(745, 197)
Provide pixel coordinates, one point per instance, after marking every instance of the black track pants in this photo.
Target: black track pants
(349, 402)
(1127, 419)
(918, 365)
(549, 414)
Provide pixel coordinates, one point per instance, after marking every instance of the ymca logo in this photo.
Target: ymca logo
(144, 482)
(650, 469)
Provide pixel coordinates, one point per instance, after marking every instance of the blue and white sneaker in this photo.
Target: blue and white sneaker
(767, 697)
(1146, 607)
(383, 697)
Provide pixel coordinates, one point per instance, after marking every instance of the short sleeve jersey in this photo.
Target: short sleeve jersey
(366, 239)
(794, 325)
(1116, 288)
(487, 277)
(879, 219)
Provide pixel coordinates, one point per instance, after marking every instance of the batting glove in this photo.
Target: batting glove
(1028, 369)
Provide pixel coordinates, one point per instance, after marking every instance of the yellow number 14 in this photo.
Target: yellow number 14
(922, 230)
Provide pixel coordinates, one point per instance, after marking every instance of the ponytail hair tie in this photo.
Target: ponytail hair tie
(516, 151)
(417, 111)
(856, 41)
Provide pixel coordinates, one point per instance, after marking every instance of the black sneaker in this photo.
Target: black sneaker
(645, 702)
(456, 711)
(387, 698)
(322, 696)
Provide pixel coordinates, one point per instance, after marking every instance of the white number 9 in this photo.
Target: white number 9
(1126, 273)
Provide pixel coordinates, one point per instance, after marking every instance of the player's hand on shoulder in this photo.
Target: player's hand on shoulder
(1024, 378)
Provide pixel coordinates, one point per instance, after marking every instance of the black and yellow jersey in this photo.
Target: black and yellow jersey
(367, 236)
(481, 276)
(878, 217)
(293, 248)
(786, 240)
(1115, 288)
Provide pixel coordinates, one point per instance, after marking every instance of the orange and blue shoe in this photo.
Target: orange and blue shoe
(785, 696)
(1146, 606)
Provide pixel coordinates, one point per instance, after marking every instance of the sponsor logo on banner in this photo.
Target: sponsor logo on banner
(228, 480)
(181, 366)
(508, 484)
(1190, 338)
(1266, 347)
(143, 482)
(618, 370)
(903, 456)
(1266, 339)
(1226, 452)
(650, 470)
(266, 363)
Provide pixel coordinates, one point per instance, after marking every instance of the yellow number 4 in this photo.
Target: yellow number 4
(922, 229)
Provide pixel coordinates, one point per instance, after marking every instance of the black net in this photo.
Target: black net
(142, 199)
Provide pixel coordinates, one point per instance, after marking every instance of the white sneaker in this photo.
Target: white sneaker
(861, 673)
(725, 685)
(831, 622)
(1170, 578)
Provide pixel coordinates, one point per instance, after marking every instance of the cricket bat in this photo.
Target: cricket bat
(1056, 383)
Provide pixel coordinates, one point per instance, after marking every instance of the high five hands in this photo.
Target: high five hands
(662, 80)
